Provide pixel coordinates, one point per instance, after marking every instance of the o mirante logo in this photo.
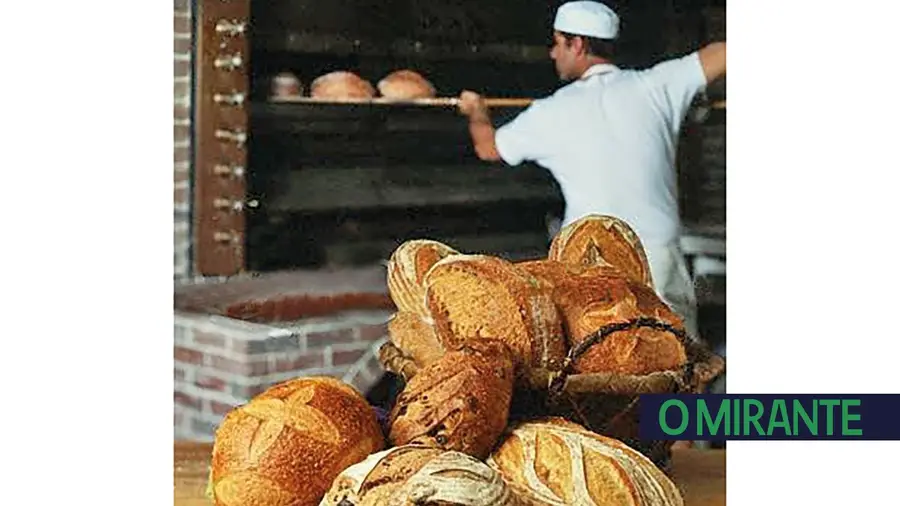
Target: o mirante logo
(775, 417)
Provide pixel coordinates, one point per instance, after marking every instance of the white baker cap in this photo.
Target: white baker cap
(591, 19)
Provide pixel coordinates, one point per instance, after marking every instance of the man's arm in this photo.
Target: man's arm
(480, 127)
(712, 58)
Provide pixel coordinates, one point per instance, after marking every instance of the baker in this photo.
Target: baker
(609, 137)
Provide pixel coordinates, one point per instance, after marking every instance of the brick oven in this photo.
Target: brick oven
(284, 213)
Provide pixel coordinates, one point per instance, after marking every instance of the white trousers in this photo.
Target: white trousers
(674, 284)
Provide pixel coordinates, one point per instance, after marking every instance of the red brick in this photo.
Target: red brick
(321, 339)
(220, 408)
(181, 68)
(181, 89)
(299, 362)
(372, 332)
(180, 197)
(346, 357)
(180, 111)
(208, 338)
(184, 399)
(188, 355)
(254, 368)
(182, 45)
(211, 383)
(182, 22)
(181, 176)
(181, 133)
(182, 155)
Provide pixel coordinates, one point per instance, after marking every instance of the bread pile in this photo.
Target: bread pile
(469, 333)
(340, 85)
(588, 308)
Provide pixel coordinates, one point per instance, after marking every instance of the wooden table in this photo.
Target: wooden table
(699, 473)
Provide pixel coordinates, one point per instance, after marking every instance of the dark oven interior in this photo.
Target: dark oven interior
(345, 184)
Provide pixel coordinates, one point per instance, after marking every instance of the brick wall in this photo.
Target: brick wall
(182, 126)
(317, 323)
(222, 362)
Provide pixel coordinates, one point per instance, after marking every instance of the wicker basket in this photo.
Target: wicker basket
(604, 403)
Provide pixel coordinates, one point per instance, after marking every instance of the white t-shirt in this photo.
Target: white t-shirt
(610, 140)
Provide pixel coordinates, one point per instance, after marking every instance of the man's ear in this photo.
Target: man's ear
(578, 45)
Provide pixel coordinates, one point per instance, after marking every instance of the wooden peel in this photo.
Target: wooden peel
(423, 102)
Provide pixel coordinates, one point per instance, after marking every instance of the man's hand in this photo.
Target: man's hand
(712, 58)
(472, 105)
(480, 128)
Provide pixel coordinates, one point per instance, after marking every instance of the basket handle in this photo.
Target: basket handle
(558, 381)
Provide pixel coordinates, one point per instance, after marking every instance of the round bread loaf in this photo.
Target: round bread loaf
(460, 402)
(476, 296)
(286, 85)
(286, 446)
(415, 338)
(598, 239)
(409, 475)
(560, 463)
(406, 273)
(405, 85)
(601, 296)
(341, 85)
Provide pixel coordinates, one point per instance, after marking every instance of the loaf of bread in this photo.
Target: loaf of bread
(286, 85)
(415, 338)
(404, 85)
(559, 463)
(553, 272)
(406, 273)
(341, 85)
(460, 402)
(410, 475)
(598, 239)
(477, 296)
(601, 296)
(286, 446)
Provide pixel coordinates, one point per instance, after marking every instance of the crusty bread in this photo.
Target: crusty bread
(600, 296)
(598, 239)
(560, 463)
(286, 446)
(477, 296)
(552, 272)
(405, 84)
(406, 273)
(285, 85)
(341, 85)
(408, 475)
(460, 402)
(415, 337)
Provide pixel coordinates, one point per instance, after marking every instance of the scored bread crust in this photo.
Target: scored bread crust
(460, 402)
(406, 272)
(287, 444)
(556, 462)
(478, 296)
(405, 84)
(598, 239)
(341, 85)
(415, 337)
(411, 474)
(600, 296)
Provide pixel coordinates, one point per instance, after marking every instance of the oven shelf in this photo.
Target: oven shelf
(332, 44)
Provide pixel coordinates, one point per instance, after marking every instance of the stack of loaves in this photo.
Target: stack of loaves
(471, 330)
